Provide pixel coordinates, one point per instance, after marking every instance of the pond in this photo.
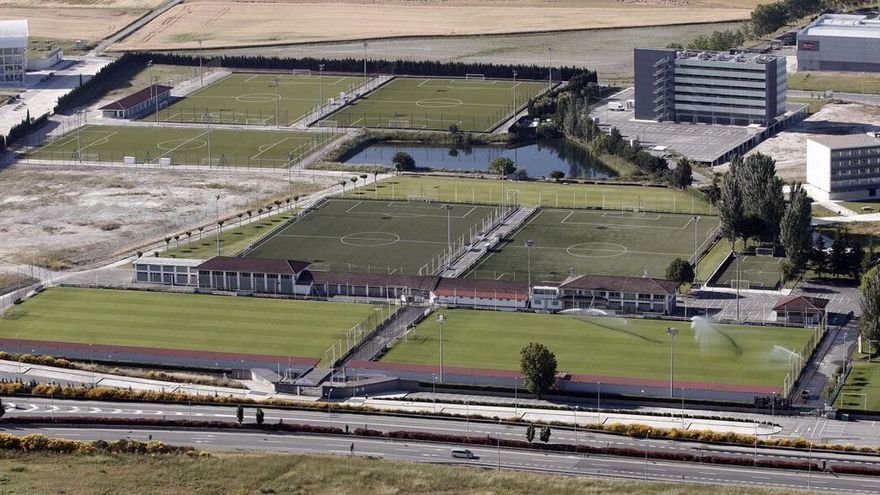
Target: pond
(539, 158)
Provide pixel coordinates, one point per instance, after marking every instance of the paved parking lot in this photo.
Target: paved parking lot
(701, 142)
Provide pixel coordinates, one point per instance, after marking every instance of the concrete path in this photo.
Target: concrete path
(470, 258)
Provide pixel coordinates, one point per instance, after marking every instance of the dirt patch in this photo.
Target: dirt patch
(229, 23)
(61, 218)
(789, 147)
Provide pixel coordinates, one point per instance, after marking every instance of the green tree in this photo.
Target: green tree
(259, 416)
(819, 258)
(768, 17)
(403, 161)
(762, 198)
(521, 174)
(683, 175)
(501, 165)
(545, 433)
(557, 174)
(730, 208)
(239, 413)
(538, 367)
(3, 412)
(838, 259)
(795, 232)
(530, 433)
(869, 322)
(680, 271)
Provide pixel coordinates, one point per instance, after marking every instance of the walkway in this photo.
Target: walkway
(471, 257)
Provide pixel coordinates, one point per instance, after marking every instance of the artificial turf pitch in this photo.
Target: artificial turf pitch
(534, 193)
(605, 346)
(600, 242)
(377, 236)
(183, 321)
(755, 272)
(438, 103)
(251, 98)
(183, 146)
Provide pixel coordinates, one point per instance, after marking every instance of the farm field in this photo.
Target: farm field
(437, 103)
(862, 388)
(841, 82)
(253, 98)
(183, 146)
(224, 24)
(378, 236)
(75, 19)
(606, 346)
(183, 321)
(596, 242)
(232, 240)
(755, 272)
(548, 194)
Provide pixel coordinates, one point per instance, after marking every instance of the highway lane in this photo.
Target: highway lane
(385, 422)
(593, 466)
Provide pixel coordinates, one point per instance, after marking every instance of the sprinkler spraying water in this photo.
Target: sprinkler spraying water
(709, 335)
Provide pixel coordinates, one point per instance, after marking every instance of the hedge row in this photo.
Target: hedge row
(121, 69)
(41, 443)
(22, 129)
(354, 65)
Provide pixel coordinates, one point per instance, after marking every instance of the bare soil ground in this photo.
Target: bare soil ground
(75, 19)
(789, 147)
(243, 23)
(59, 218)
(609, 51)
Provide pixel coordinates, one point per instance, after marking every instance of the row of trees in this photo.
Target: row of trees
(22, 129)
(356, 65)
(111, 76)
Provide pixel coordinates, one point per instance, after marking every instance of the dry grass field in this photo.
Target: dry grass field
(89, 20)
(248, 23)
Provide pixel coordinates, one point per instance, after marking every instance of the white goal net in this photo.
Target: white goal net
(739, 284)
(301, 72)
(475, 77)
(763, 251)
(398, 122)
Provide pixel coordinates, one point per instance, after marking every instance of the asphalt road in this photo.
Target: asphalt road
(24, 407)
(602, 466)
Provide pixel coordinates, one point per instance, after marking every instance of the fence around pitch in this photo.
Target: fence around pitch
(281, 226)
(359, 333)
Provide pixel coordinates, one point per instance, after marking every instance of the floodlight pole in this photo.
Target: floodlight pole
(201, 72)
(365, 62)
(448, 209)
(321, 84)
(738, 284)
(696, 220)
(549, 67)
(217, 212)
(529, 244)
(515, 73)
(672, 332)
(154, 89)
(277, 99)
(441, 318)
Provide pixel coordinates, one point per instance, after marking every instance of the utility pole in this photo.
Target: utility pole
(696, 220)
(448, 209)
(154, 89)
(672, 332)
(201, 72)
(277, 101)
(365, 62)
(217, 213)
(440, 318)
(529, 244)
(515, 73)
(549, 67)
(321, 83)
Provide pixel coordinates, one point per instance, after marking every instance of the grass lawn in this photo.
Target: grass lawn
(813, 104)
(184, 146)
(865, 233)
(605, 346)
(761, 272)
(287, 474)
(820, 211)
(183, 321)
(844, 82)
(377, 236)
(594, 241)
(549, 194)
(436, 103)
(862, 388)
(862, 206)
(232, 240)
(253, 98)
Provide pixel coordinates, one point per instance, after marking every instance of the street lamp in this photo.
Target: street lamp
(217, 213)
(441, 318)
(672, 332)
(515, 73)
(529, 244)
(321, 84)
(696, 220)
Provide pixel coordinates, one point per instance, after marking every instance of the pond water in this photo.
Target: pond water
(539, 158)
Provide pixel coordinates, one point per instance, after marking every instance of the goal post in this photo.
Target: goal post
(739, 284)
(475, 77)
(764, 251)
(301, 72)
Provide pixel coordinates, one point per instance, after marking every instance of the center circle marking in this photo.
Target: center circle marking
(439, 103)
(596, 250)
(181, 144)
(370, 239)
(257, 97)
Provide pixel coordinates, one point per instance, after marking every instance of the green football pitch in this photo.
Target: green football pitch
(377, 236)
(183, 321)
(435, 103)
(862, 388)
(533, 193)
(182, 145)
(249, 98)
(755, 272)
(602, 242)
(606, 346)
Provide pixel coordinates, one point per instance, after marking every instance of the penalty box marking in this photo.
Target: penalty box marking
(405, 215)
(340, 238)
(565, 221)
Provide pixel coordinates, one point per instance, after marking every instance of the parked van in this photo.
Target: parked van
(463, 454)
(616, 106)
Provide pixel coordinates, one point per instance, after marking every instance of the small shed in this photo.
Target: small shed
(138, 103)
(800, 309)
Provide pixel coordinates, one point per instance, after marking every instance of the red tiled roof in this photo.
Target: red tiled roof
(467, 287)
(643, 285)
(137, 97)
(800, 303)
(258, 265)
